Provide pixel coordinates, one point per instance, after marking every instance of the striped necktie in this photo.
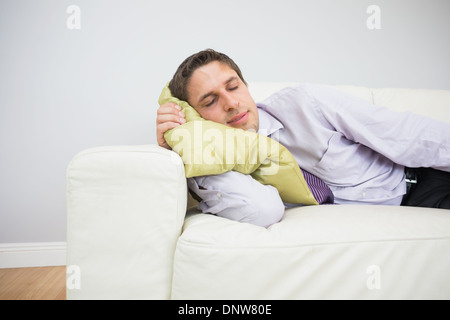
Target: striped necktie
(321, 192)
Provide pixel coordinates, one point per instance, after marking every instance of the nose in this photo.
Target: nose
(229, 101)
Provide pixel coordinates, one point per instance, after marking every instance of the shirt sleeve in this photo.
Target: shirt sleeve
(238, 197)
(405, 138)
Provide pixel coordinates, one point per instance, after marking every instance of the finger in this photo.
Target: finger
(170, 114)
(168, 117)
(163, 127)
(163, 143)
(169, 108)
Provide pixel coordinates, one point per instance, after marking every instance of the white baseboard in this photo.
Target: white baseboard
(35, 254)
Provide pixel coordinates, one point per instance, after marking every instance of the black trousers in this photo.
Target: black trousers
(432, 189)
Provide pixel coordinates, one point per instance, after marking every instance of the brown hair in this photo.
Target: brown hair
(180, 80)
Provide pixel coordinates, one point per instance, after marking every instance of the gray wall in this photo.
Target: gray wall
(63, 90)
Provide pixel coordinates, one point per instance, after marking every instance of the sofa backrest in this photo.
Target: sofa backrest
(433, 103)
(429, 102)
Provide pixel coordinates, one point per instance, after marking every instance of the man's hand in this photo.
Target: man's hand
(169, 116)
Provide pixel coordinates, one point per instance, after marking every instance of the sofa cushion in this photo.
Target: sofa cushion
(321, 252)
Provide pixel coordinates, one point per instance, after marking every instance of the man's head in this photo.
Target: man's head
(213, 84)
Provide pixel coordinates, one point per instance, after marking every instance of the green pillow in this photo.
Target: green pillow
(210, 148)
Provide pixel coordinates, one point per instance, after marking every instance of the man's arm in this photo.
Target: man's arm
(405, 138)
(238, 197)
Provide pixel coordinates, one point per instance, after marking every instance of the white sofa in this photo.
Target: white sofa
(129, 236)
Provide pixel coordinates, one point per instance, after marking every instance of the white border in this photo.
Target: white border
(34, 254)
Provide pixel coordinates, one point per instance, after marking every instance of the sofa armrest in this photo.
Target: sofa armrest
(125, 210)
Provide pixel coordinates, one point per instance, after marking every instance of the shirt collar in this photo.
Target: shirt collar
(267, 123)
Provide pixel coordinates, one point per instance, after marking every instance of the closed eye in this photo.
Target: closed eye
(210, 103)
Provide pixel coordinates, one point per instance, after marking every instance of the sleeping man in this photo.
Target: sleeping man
(349, 151)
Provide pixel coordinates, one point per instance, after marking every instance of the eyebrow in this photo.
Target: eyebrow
(232, 78)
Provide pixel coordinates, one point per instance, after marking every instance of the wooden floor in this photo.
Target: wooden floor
(42, 283)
